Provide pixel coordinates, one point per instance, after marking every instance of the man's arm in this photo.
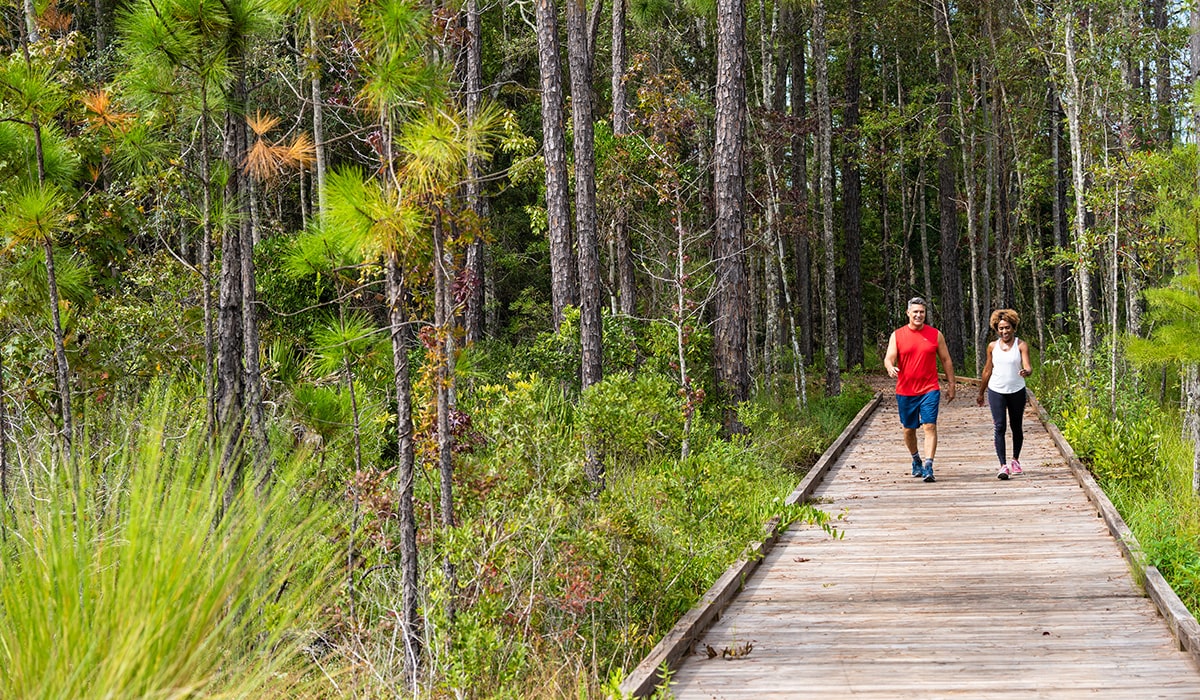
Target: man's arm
(889, 358)
(947, 365)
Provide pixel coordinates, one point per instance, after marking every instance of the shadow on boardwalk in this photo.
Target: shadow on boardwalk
(967, 587)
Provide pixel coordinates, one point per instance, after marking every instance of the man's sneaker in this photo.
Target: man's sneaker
(1014, 468)
(917, 469)
(1003, 473)
(927, 471)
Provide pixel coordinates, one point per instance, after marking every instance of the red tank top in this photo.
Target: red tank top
(917, 360)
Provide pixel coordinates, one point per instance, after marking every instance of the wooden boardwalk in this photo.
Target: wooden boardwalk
(967, 587)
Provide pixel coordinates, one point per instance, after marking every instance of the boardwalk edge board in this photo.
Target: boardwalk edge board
(645, 678)
(1179, 619)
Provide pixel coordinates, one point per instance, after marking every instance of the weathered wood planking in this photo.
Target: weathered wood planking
(967, 587)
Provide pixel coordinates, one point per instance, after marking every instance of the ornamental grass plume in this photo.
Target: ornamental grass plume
(136, 583)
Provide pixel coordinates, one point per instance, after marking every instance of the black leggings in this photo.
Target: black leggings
(1014, 405)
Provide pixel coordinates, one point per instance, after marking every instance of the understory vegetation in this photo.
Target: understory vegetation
(163, 585)
(1133, 439)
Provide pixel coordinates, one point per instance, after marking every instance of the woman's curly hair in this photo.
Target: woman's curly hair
(1004, 315)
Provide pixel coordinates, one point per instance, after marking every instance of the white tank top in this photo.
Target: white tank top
(1006, 369)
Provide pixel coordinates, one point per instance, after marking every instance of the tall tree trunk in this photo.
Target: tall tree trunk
(1074, 105)
(473, 313)
(230, 377)
(410, 625)
(833, 379)
(585, 193)
(1165, 105)
(1060, 211)
(626, 284)
(62, 374)
(926, 271)
(314, 49)
(564, 289)
(206, 227)
(801, 215)
(852, 196)
(951, 307)
(3, 446)
(731, 323)
(443, 266)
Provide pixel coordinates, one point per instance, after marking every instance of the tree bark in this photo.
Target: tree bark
(801, 216)
(852, 196)
(1083, 252)
(585, 193)
(443, 280)
(1060, 212)
(318, 101)
(564, 289)
(1162, 82)
(473, 313)
(627, 286)
(951, 322)
(731, 323)
(3, 446)
(833, 379)
(405, 469)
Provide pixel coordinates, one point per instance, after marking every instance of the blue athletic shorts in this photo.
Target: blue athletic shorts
(916, 410)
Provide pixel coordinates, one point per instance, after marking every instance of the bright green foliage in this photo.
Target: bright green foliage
(139, 584)
(1175, 336)
(549, 576)
(1123, 449)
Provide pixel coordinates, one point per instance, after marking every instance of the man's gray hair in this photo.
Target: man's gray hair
(918, 300)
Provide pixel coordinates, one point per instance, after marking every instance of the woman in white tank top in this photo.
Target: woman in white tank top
(1004, 381)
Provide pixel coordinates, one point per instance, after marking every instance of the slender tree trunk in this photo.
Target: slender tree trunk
(3, 443)
(585, 193)
(101, 25)
(1082, 250)
(410, 623)
(62, 374)
(314, 48)
(1162, 83)
(443, 320)
(833, 379)
(731, 327)
(802, 215)
(31, 27)
(473, 314)
(926, 272)
(852, 196)
(951, 307)
(1060, 212)
(564, 288)
(627, 286)
(206, 227)
(230, 377)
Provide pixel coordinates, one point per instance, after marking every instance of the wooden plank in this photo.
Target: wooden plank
(665, 655)
(967, 587)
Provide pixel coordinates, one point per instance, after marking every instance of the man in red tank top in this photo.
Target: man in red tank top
(911, 359)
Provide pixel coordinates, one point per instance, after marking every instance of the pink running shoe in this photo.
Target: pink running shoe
(1014, 468)
(1003, 473)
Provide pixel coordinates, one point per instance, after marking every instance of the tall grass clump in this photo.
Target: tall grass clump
(136, 582)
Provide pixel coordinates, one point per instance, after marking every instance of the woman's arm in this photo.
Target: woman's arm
(985, 375)
(1026, 367)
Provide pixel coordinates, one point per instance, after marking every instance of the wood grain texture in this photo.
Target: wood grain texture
(967, 587)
